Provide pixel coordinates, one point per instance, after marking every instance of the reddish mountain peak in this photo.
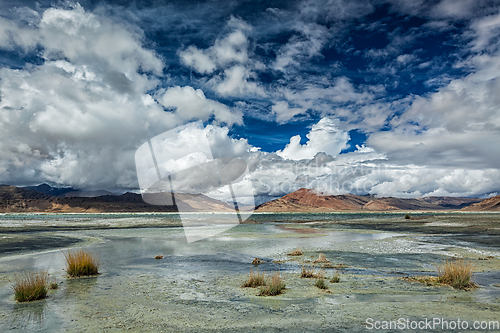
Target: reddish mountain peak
(490, 204)
(308, 200)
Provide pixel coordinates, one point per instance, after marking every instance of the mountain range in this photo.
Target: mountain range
(16, 199)
(487, 205)
(305, 200)
(44, 198)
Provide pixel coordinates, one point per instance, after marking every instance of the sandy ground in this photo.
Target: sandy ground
(197, 286)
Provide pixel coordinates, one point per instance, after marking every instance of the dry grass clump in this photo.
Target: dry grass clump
(307, 272)
(296, 252)
(255, 280)
(81, 263)
(427, 280)
(456, 273)
(321, 260)
(321, 284)
(335, 279)
(30, 286)
(274, 287)
(257, 261)
(53, 286)
(159, 256)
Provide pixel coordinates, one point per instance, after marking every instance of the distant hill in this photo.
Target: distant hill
(490, 204)
(305, 200)
(47, 189)
(66, 191)
(15, 199)
(87, 194)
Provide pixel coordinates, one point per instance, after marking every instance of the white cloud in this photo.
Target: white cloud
(323, 137)
(334, 10)
(197, 59)
(321, 96)
(229, 50)
(284, 112)
(12, 35)
(192, 104)
(229, 61)
(302, 47)
(84, 37)
(485, 30)
(456, 128)
(77, 118)
(456, 9)
(236, 81)
(443, 9)
(405, 59)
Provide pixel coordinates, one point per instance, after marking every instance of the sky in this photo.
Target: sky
(382, 97)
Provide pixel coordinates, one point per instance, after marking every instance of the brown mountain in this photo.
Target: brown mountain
(305, 200)
(308, 201)
(490, 204)
(15, 199)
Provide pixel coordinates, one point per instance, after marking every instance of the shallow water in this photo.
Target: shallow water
(189, 275)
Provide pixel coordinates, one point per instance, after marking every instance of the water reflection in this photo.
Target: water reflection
(30, 315)
(80, 286)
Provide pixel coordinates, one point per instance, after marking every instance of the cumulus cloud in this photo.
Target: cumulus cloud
(323, 137)
(190, 104)
(77, 118)
(367, 172)
(197, 59)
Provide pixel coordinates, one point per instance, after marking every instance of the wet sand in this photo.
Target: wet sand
(196, 287)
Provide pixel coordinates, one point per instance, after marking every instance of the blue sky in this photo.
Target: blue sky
(388, 97)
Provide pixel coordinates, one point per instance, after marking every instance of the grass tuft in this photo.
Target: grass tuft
(30, 286)
(307, 272)
(335, 279)
(427, 280)
(81, 263)
(296, 252)
(321, 284)
(257, 261)
(274, 287)
(456, 273)
(255, 280)
(321, 260)
(53, 286)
